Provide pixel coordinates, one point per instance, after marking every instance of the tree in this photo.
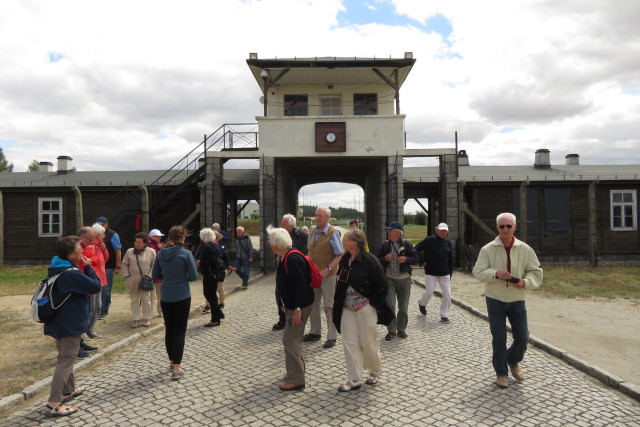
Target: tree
(5, 166)
(34, 166)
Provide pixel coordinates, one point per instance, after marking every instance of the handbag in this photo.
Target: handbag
(146, 284)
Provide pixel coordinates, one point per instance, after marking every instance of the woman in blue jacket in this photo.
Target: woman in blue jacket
(176, 267)
(70, 320)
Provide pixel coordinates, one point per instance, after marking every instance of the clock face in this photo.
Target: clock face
(331, 137)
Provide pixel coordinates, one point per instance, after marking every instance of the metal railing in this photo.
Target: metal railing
(431, 140)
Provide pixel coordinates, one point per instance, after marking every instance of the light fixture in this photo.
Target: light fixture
(330, 86)
(264, 74)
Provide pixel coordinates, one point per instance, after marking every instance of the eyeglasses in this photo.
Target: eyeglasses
(502, 226)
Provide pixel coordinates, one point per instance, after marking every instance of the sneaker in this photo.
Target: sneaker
(206, 309)
(502, 382)
(245, 286)
(390, 336)
(83, 354)
(516, 372)
(93, 334)
(311, 337)
(423, 309)
(403, 334)
(146, 323)
(88, 348)
(103, 316)
(444, 319)
(134, 324)
(221, 306)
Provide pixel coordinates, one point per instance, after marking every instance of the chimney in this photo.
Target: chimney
(45, 167)
(463, 158)
(65, 164)
(543, 159)
(572, 159)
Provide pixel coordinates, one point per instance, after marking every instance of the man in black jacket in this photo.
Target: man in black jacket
(438, 268)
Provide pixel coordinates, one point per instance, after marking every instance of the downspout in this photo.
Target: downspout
(593, 257)
(145, 207)
(523, 210)
(79, 216)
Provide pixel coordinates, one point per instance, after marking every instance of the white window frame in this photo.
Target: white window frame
(49, 213)
(331, 110)
(634, 209)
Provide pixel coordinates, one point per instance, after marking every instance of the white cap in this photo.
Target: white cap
(442, 226)
(155, 232)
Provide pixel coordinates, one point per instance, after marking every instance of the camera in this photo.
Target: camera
(514, 280)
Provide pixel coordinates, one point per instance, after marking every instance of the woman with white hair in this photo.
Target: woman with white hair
(213, 262)
(296, 300)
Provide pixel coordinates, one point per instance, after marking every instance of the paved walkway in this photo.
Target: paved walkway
(440, 375)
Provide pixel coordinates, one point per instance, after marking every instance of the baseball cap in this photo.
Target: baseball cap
(102, 220)
(155, 232)
(442, 226)
(394, 225)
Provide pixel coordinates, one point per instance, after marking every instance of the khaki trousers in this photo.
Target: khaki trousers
(140, 300)
(292, 342)
(324, 298)
(64, 381)
(360, 341)
(221, 292)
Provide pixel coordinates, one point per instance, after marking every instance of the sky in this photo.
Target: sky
(121, 85)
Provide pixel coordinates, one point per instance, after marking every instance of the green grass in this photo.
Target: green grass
(415, 233)
(588, 282)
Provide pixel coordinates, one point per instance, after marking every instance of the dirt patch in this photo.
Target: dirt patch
(603, 332)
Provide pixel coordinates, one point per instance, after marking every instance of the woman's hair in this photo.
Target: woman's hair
(98, 228)
(207, 235)
(279, 237)
(175, 236)
(142, 235)
(66, 246)
(353, 222)
(356, 236)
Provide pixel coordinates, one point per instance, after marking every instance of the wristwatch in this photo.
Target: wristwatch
(298, 308)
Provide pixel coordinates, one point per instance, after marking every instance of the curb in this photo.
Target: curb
(12, 400)
(628, 388)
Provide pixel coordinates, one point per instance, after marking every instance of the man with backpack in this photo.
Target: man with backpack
(69, 321)
(396, 256)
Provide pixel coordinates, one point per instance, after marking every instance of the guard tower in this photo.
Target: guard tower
(326, 119)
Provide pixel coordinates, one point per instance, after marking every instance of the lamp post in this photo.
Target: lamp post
(265, 77)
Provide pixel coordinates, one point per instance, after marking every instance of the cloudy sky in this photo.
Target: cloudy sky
(135, 84)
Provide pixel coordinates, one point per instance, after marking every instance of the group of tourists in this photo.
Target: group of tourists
(360, 290)
(357, 291)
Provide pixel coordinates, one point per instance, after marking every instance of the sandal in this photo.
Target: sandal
(59, 412)
(373, 378)
(77, 392)
(350, 385)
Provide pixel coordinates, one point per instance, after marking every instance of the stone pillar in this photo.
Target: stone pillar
(449, 204)
(216, 209)
(79, 214)
(269, 196)
(145, 207)
(395, 189)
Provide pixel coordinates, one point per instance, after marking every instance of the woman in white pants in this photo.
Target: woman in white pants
(360, 303)
(138, 262)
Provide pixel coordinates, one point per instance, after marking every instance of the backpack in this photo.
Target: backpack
(43, 307)
(314, 273)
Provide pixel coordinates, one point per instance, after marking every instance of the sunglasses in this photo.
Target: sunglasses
(502, 226)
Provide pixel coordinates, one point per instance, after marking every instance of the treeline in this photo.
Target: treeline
(339, 213)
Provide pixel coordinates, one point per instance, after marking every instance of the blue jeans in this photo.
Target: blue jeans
(242, 269)
(516, 312)
(106, 292)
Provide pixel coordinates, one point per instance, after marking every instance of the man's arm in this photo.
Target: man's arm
(483, 270)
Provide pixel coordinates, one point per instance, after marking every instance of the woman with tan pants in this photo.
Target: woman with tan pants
(138, 262)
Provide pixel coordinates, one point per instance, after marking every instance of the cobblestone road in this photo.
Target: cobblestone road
(440, 375)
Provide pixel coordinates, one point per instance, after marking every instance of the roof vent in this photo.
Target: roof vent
(543, 159)
(45, 167)
(463, 158)
(572, 159)
(65, 164)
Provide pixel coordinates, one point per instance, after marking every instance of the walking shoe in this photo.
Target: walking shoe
(88, 348)
(311, 337)
(390, 336)
(177, 375)
(245, 286)
(211, 324)
(423, 309)
(83, 354)
(93, 334)
(278, 327)
(134, 324)
(444, 319)
(103, 316)
(516, 372)
(221, 306)
(221, 314)
(329, 343)
(146, 323)
(403, 334)
(206, 309)
(502, 382)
